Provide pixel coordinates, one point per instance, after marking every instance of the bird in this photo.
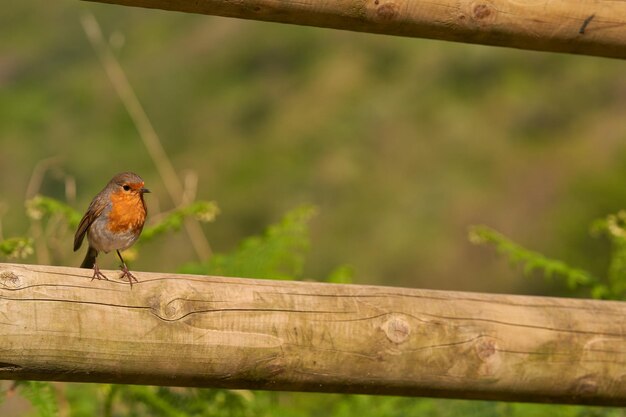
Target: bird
(113, 221)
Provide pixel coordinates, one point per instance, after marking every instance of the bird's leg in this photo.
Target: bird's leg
(97, 273)
(125, 271)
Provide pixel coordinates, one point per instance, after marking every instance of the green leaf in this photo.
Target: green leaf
(17, 247)
(204, 211)
(533, 261)
(343, 274)
(614, 227)
(39, 206)
(41, 395)
(278, 254)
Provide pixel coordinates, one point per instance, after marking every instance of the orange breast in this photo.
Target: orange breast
(128, 212)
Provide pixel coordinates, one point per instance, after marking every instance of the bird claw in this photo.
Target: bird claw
(127, 274)
(97, 274)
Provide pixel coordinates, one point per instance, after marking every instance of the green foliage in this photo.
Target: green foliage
(184, 402)
(17, 247)
(59, 218)
(343, 405)
(87, 400)
(614, 227)
(530, 261)
(278, 254)
(204, 211)
(614, 286)
(40, 207)
(41, 395)
(343, 274)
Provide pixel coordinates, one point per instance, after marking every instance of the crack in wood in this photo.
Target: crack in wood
(9, 367)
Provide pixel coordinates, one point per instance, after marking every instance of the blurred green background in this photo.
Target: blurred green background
(400, 143)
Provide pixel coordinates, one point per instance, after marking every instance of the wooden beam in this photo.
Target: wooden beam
(589, 27)
(186, 330)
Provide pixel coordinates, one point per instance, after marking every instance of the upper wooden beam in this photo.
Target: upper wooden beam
(589, 27)
(186, 330)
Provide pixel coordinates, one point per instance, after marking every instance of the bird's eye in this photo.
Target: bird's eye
(126, 187)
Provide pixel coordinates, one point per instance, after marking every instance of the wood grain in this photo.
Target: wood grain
(589, 27)
(186, 330)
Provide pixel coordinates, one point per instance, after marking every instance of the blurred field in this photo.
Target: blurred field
(401, 143)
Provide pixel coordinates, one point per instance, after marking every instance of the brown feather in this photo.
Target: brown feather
(94, 210)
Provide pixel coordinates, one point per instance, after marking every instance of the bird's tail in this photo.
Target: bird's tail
(90, 258)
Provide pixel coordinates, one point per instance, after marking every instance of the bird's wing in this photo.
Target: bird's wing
(93, 212)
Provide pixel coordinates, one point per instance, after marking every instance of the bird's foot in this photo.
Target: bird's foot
(127, 274)
(97, 274)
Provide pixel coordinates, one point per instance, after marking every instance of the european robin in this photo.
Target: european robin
(114, 221)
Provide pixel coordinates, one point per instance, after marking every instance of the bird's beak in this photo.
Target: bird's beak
(144, 190)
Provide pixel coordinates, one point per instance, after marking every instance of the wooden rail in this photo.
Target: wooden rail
(186, 330)
(591, 27)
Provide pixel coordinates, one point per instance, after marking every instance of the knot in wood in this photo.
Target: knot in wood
(385, 10)
(173, 309)
(9, 279)
(397, 330)
(168, 310)
(586, 385)
(482, 12)
(485, 348)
